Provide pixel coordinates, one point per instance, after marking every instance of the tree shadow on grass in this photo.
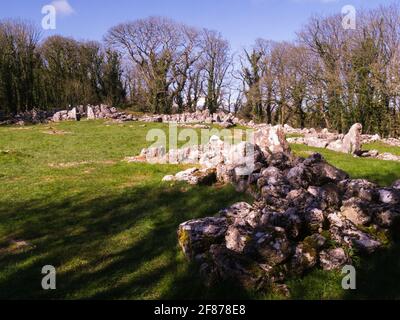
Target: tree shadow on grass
(123, 245)
(119, 246)
(378, 276)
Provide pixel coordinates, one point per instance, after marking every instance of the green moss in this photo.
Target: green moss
(294, 135)
(184, 238)
(380, 235)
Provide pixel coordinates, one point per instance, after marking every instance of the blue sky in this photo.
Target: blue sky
(240, 21)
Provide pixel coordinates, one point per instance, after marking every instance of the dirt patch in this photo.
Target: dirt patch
(16, 246)
(138, 159)
(14, 153)
(78, 164)
(21, 128)
(52, 131)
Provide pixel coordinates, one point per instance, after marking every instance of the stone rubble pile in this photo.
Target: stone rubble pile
(307, 214)
(216, 152)
(92, 113)
(225, 120)
(377, 138)
(106, 112)
(34, 116)
(74, 114)
(350, 143)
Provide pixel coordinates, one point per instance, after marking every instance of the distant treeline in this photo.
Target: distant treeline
(329, 77)
(55, 73)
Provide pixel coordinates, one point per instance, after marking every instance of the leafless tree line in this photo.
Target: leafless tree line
(329, 77)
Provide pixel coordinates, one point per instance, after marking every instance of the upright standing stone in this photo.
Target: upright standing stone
(352, 141)
(272, 140)
(90, 113)
(73, 114)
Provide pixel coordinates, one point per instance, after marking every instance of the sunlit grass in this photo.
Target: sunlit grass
(109, 227)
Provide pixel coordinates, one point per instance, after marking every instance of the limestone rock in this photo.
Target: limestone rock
(272, 246)
(271, 140)
(238, 238)
(353, 211)
(333, 259)
(196, 236)
(90, 113)
(227, 265)
(389, 196)
(194, 176)
(305, 257)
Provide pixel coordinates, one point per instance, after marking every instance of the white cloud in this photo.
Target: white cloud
(63, 7)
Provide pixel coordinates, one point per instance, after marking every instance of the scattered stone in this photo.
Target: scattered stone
(194, 176)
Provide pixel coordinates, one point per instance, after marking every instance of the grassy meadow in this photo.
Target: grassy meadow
(69, 200)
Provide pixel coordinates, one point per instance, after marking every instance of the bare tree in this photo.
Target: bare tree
(216, 60)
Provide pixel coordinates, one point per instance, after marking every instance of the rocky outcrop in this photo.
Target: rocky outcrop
(67, 115)
(106, 112)
(34, 116)
(72, 114)
(224, 120)
(194, 176)
(268, 141)
(350, 143)
(306, 214)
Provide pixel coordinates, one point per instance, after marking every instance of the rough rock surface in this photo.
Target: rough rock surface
(350, 143)
(194, 176)
(306, 214)
(224, 120)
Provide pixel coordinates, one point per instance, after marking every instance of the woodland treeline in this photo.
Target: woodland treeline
(329, 77)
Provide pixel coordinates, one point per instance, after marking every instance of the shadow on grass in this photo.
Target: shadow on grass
(378, 276)
(119, 246)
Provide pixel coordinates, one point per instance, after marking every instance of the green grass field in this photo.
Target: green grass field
(109, 227)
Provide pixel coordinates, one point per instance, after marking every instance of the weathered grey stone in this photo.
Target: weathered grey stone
(333, 259)
(273, 246)
(396, 185)
(300, 176)
(196, 236)
(389, 196)
(316, 142)
(227, 265)
(362, 241)
(305, 257)
(358, 188)
(354, 211)
(271, 140)
(194, 176)
(388, 157)
(386, 216)
(90, 113)
(239, 238)
(315, 219)
(271, 176)
(325, 173)
(351, 143)
(289, 220)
